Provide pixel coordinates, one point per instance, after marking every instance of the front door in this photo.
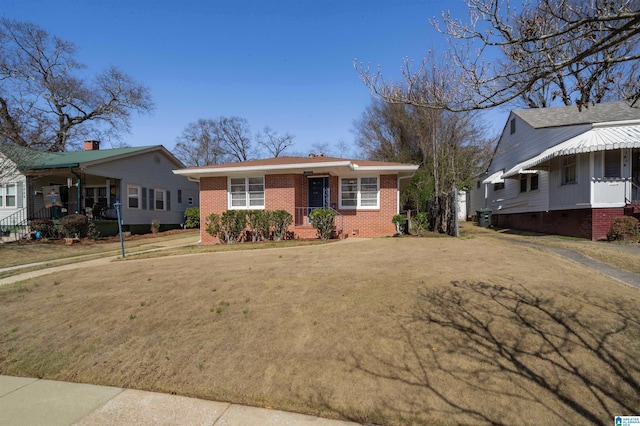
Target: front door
(318, 192)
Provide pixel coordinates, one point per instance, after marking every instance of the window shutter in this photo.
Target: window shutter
(144, 198)
(151, 199)
(19, 195)
(168, 206)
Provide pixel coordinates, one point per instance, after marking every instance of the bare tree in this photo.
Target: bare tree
(214, 141)
(235, 135)
(200, 144)
(274, 143)
(451, 149)
(386, 132)
(574, 51)
(45, 101)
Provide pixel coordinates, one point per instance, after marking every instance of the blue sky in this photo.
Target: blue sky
(284, 64)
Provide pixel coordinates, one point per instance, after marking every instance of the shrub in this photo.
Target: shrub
(228, 227)
(322, 220)
(212, 224)
(399, 220)
(420, 222)
(258, 224)
(46, 227)
(92, 231)
(624, 228)
(192, 217)
(280, 222)
(155, 226)
(74, 225)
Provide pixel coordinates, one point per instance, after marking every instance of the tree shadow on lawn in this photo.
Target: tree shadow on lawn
(483, 353)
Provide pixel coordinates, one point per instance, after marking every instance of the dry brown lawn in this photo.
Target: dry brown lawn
(390, 331)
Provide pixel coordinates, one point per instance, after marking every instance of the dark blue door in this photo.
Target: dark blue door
(318, 192)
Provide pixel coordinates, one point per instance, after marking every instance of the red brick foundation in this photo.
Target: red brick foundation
(592, 224)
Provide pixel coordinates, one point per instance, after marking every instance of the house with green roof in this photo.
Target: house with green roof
(564, 171)
(37, 184)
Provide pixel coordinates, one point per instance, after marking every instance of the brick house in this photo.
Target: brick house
(365, 194)
(564, 171)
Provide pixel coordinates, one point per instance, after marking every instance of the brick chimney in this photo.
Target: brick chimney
(91, 145)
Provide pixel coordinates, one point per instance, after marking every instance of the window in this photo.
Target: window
(534, 182)
(523, 183)
(359, 193)
(513, 125)
(133, 197)
(8, 195)
(95, 195)
(498, 186)
(246, 193)
(569, 169)
(612, 164)
(159, 199)
(190, 201)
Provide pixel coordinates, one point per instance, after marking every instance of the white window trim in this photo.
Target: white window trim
(359, 205)
(564, 167)
(247, 205)
(4, 193)
(155, 199)
(139, 197)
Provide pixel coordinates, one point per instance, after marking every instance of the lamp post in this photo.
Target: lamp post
(117, 205)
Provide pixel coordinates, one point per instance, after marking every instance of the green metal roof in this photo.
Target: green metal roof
(27, 158)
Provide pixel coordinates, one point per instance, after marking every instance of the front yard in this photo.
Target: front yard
(392, 331)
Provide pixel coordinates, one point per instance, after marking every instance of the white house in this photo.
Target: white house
(564, 171)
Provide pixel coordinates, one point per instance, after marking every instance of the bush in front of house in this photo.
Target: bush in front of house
(399, 221)
(322, 220)
(46, 228)
(258, 224)
(192, 217)
(624, 228)
(74, 225)
(232, 225)
(229, 226)
(280, 221)
(420, 222)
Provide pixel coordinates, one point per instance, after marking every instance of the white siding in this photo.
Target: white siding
(511, 200)
(528, 142)
(570, 196)
(9, 174)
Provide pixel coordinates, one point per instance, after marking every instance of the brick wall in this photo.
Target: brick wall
(372, 223)
(285, 192)
(602, 220)
(213, 199)
(582, 223)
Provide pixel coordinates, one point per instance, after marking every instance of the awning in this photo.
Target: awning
(495, 178)
(600, 138)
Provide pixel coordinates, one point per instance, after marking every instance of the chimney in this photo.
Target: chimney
(91, 145)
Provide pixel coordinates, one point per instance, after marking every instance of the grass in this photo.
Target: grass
(620, 255)
(21, 252)
(388, 331)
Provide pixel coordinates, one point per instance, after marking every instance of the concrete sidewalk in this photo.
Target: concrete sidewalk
(33, 402)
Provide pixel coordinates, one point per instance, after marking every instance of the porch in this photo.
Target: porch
(302, 227)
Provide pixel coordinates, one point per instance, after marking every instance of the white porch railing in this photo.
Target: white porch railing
(302, 218)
